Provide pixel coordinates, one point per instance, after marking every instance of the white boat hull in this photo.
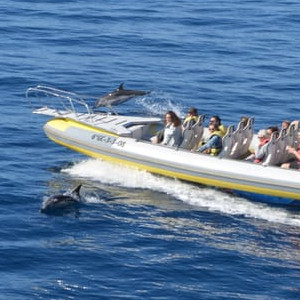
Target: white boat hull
(230, 174)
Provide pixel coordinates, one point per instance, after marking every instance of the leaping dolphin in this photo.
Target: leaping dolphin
(118, 96)
(61, 201)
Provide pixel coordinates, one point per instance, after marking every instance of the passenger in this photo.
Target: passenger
(285, 125)
(214, 145)
(159, 136)
(260, 152)
(172, 131)
(244, 121)
(221, 128)
(272, 129)
(295, 163)
(191, 118)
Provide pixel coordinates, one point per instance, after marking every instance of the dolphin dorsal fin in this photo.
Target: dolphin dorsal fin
(121, 86)
(76, 190)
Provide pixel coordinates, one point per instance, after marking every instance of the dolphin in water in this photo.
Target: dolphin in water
(118, 96)
(62, 201)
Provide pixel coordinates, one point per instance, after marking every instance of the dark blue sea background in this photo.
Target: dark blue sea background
(140, 236)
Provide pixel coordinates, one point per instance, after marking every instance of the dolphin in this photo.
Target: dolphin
(61, 201)
(118, 96)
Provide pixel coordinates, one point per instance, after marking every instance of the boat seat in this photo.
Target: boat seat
(187, 136)
(236, 143)
(272, 152)
(137, 131)
(192, 135)
(292, 135)
(228, 142)
(281, 144)
(243, 136)
(276, 148)
(290, 139)
(198, 128)
(296, 124)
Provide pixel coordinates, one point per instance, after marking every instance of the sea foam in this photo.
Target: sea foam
(204, 197)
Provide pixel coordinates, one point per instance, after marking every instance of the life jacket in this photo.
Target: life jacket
(216, 150)
(222, 130)
(190, 121)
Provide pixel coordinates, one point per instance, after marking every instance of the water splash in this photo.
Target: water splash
(208, 198)
(158, 103)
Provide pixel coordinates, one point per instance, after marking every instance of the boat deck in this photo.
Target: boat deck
(121, 125)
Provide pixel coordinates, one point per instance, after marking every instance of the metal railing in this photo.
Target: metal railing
(59, 101)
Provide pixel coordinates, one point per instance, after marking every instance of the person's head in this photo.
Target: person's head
(263, 134)
(285, 124)
(171, 117)
(244, 120)
(193, 111)
(212, 127)
(215, 120)
(272, 129)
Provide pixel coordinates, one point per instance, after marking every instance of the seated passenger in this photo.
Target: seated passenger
(159, 137)
(295, 163)
(244, 121)
(285, 125)
(214, 145)
(191, 118)
(260, 152)
(272, 129)
(172, 135)
(221, 128)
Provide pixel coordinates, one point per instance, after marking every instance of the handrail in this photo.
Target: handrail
(59, 100)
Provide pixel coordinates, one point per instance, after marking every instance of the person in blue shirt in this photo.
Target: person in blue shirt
(221, 128)
(214, 145)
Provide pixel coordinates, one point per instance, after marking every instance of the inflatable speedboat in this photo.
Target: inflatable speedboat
(126, 139)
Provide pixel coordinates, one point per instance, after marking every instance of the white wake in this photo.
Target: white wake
(211, 199)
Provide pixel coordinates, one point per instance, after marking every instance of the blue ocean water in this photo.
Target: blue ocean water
(140, 236)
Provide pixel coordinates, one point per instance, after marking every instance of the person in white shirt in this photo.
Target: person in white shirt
(172, 130)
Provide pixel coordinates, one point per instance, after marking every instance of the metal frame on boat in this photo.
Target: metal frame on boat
(126, 140)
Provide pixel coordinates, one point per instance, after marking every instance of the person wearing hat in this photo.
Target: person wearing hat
(191, 118)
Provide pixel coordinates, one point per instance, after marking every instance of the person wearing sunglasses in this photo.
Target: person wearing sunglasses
(221, 128)
(214, 144)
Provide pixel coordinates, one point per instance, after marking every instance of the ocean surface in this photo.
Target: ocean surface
(136, 235)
